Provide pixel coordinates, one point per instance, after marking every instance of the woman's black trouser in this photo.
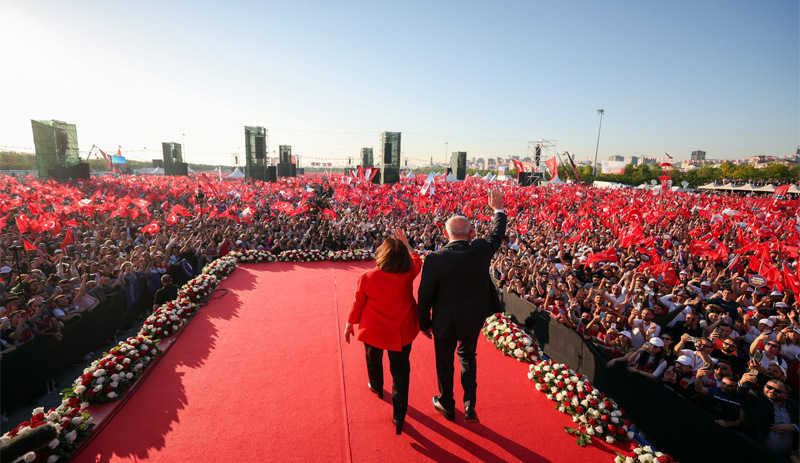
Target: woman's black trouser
(400, 367)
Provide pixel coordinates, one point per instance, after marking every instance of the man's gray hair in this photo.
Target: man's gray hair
(458, 227)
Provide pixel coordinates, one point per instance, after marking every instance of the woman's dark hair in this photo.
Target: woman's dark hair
(392, 256)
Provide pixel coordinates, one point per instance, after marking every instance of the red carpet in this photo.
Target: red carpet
(262, 374)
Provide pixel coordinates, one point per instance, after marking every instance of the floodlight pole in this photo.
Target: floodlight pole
(600, 112)
(445, 153)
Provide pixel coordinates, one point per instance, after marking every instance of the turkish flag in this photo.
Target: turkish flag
(520, 168)
(666, 272)
(609, 255)
(23, 222)
(68, 239)
(329, 213)
(552, 166)
(35, 209)
(29, 246)
(151, 228)
(140, 202)
(791, 281)
(180, 210)
(576, 237)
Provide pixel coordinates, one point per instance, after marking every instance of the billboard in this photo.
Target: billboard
(612, 167)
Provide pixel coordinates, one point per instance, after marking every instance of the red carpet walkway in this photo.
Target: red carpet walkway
(262, 374)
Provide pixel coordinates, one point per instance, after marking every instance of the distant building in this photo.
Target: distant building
(634, 160)
(698, 156)
(760, 162)
(616, 158)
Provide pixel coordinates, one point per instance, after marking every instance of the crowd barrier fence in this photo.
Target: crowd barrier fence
(26, 372)
(668, 421)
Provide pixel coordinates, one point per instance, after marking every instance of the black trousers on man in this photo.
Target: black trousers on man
(400, 367)
(445, 347)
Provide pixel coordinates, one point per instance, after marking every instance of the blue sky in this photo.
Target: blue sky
(329, 77)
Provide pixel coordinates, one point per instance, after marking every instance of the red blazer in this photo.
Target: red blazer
(385, 308)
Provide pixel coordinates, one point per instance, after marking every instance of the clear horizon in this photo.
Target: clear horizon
(327, 78)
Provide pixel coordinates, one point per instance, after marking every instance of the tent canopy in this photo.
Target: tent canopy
(235, 174)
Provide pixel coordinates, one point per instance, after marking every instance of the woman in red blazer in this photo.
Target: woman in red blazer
(386, 314)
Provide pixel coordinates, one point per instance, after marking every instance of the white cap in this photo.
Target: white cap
(684, 360)
(625, 333)
(705, 283)
(776, 293)
(781, 304)
(5, 269)
(766, 321)
(779, 366)
(657, 342)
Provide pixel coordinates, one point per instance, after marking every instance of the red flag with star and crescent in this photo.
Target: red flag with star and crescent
(151, 228)
(68, 239)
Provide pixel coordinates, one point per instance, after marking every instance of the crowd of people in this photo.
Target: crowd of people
(698, 292)
(679, 298)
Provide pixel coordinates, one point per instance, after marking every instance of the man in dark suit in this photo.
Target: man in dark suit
(455, 286)
(168, 292)
(772, 418)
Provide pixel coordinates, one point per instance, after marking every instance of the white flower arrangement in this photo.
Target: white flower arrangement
(100, 381)
(644, 454)
(221, 267)
(346, 256)
(200, 287)
(168, 318)
(299, 255)
(595, 414)
(73, 425)
(252, 256)
(511, 339)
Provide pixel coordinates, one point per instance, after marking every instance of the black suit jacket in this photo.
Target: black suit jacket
(455, 291)
(761, 415)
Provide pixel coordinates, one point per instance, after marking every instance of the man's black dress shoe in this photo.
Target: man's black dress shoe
(379, 393)
(449, 414)
(398, 426)
(470, 416)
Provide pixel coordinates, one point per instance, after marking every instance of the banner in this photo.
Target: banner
(612, 167)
